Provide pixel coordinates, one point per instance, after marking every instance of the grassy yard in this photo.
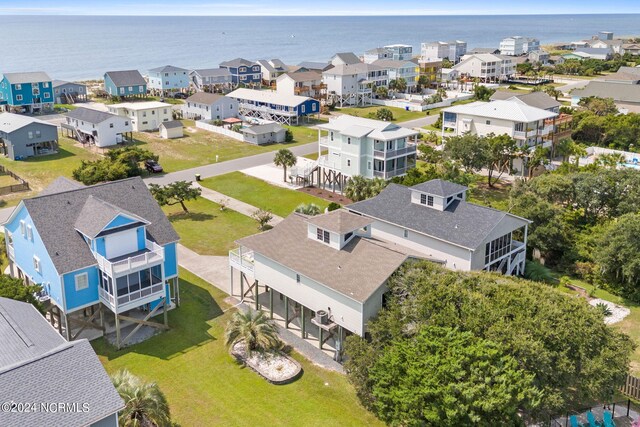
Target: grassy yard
(40, 171)
(199, 147)
(259, 193)
(205, 386)
(206, 229)
(496, 197)
(314, 156)
(109, 100)
(399, 115)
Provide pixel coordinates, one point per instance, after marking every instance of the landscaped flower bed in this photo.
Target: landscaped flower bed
(275, 367)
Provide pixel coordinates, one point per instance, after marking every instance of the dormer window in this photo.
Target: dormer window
(426, 200)
(323, 235)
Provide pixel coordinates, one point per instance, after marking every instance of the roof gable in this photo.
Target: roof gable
(28, 77)
(126, 78)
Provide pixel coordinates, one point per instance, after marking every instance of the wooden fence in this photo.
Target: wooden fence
(631, 387)
(8, 189)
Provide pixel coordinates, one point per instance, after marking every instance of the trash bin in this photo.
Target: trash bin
(197, 177)
(406, 108)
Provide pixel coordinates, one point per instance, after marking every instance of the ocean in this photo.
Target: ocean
(84, 47)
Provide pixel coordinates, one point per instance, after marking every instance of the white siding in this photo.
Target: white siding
(121, 243)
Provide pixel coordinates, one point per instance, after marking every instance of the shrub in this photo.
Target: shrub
(333, 206)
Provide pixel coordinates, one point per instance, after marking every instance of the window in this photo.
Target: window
(449, 199)
(423, 199)
(242, 69)
(497, 248)
(348, 236)
(429, 200)
(38, 134)
(82, 281)
(405, 233)
(111, 125)
(153, 112)
(369, 165)
(348, 140)
(319, 233)
(18, 97)
(144, 114)
(29, 233)
(488, 122)
(348, 162)
(126, 123)
(23, 228)
(331, 136)
(130, 88)
(46, 95)
(36, 264)
(121, 91)
(313, 107)
(302, 109)
(166, 83)
(30, 135)
(18, 87)
(45, 84)
(323, 235)
(297, 278)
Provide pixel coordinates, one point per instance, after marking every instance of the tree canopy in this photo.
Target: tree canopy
(119, 163)
(175, 193)
(285, 158)
(15, 289)
(532, 343)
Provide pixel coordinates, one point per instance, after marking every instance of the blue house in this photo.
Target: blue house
(169, 79)
(276, 106)
(243, 71)
(26, 92)
(90, 248)
(125, 83)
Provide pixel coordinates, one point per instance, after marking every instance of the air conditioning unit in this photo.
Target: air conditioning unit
(322, 317)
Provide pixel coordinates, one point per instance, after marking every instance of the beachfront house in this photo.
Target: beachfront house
(437, 51)
(37, 361)
(103, 251)
(211, 79)
(144, 116)
(366, 147)
(434, 219)
(267, 133)
(23, 136)
(614, 45)
(344, 58)
(125, 83)
(518, 45)
(69, 92)
(432, 70)
(95, 127)
(271, 70)
(354, 84)
(243, 72)
(168, 79)
(30, 92)
(274, 106)
(209, 106)
(401, 69)
(486, 67)
(304, 83)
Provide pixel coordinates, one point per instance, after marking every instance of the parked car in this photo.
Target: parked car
(180, 95)
(152, 166)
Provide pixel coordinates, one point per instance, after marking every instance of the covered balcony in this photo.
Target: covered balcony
(242, 259)
(151, 255)
(131, 290)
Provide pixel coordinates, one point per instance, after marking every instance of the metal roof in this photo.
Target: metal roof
(10, 122)
(511, 109)
(28, 77)
(55, 215)
(360, 126)
(268, 96)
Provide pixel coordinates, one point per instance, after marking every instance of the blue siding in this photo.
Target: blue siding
(167, 290)
(311, 106)
(113, 90)
(101, 247)
(82, 297)
(251, 74)
(119, 221)
(170, 261)
(11, 92)
(142, 233)
(25, 249)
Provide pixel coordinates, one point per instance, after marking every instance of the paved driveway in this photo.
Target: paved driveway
(418, 123)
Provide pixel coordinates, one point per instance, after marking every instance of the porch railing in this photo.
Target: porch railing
(154, 256)
(387, 154)
(241, 259)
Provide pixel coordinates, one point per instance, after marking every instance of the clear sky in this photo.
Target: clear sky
(318, 7)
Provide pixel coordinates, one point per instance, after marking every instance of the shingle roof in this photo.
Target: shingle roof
(96, 214)
(237, 63)
(344, 70)
(462, 223)
(631, 74)
(440, 187)
(58, 83)
(42, 367)
(262, 129)
(392, 63)
(90, 115)
(304, 76)
(172, 124)
(347, 57)
(10, 122)
(510, 109)
(205, 98)
(213, 72)
(340, 221)
(59, 185)
(533, 99)
(617, 91)
(55, 216)
(310, 65)
(360, 126)
(349, 271)
(126, 78)
(167, 69)
(28, 77)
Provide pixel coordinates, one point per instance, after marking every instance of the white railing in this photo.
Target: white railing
(11, 252)
(389, 174)
(386, 154)
(219, 130)
(324, 140)
(264, 109)
(304, 171)
(241, 259)
(154, 256)
(114, 301)
(449, 124)
(323, 161)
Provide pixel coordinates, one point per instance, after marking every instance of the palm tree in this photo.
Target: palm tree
(285, 158)
(145, 404)
(401, 85)
(254, 329)
(552, 91)
(357, 188)
(310, 209)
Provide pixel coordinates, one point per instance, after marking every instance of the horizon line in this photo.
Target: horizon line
(381, 14)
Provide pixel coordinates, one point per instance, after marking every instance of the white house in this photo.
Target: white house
(143, 115)
(435, 220)
(400, 52)
(359, 146)
(512, 46)
(209, 106)
(344, 58)
(271, 70)
(354, 84)
(529, 126)
(401, 69)
(486, 66)
(96, 127)
(171, 129)
(304, 83)
(267, 133)
(437, 51)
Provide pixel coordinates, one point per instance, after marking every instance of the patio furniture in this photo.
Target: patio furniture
(607, 419)
(574, 421)
(592, 419)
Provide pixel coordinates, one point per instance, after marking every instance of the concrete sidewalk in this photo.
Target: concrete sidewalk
(234, 204)
(211, 269)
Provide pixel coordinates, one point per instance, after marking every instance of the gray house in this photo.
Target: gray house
(23, 136)
(264, 134)
(38, 365)
(212, 78)
(69, 92)
(209, 106)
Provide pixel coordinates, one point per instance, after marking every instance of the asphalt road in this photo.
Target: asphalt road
(418, 123)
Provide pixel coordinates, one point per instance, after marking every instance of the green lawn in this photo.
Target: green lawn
(40, 171)
(259, 193)
(199, 147)
(117, 100)
(496, 197)
(399, 115)
(314, 156)
(206, 229)
(205, 386)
